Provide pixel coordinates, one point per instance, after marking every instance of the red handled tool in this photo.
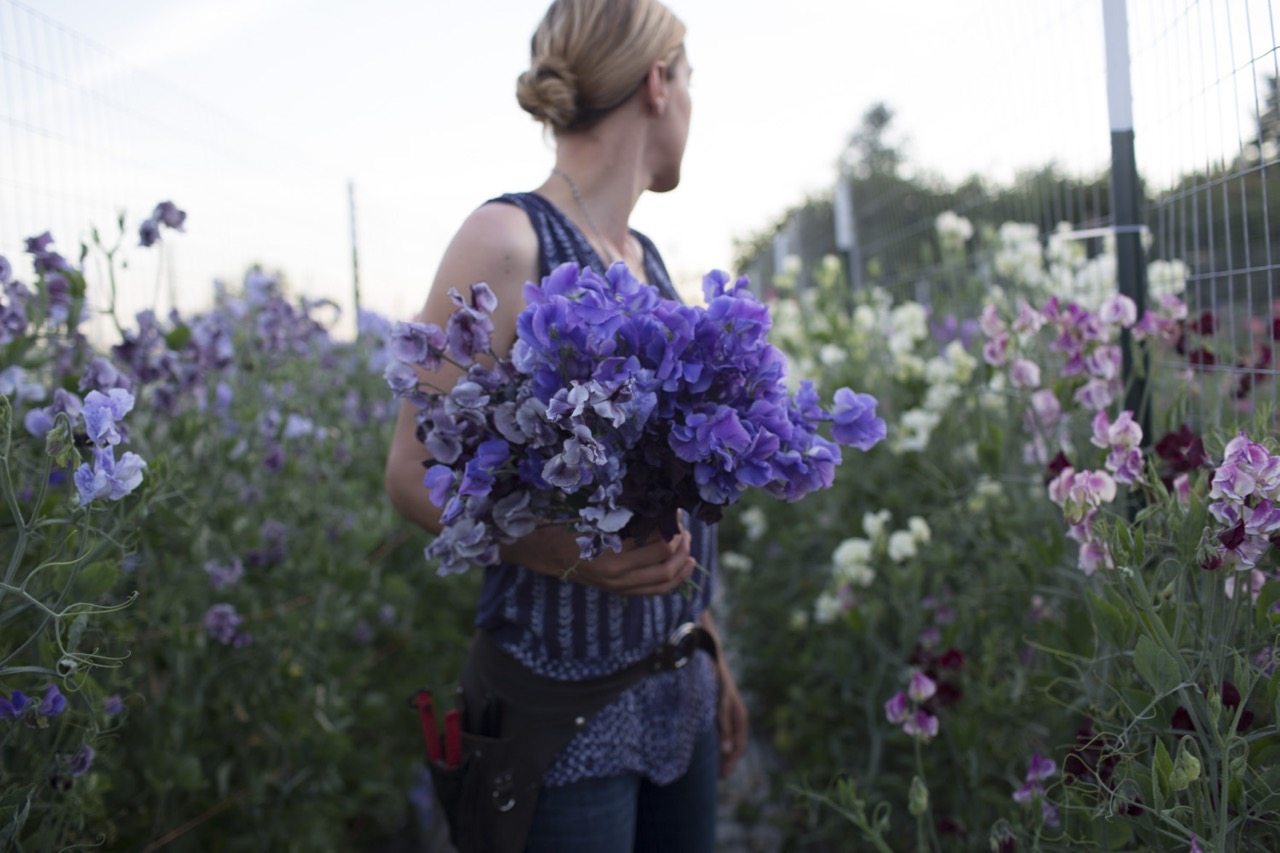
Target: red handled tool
(427, 715)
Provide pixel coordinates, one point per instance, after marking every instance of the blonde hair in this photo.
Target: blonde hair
(590, 56)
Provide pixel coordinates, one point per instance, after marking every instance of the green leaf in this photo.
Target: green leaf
(178, 338)
(1161, 771)
(1156, 666)
(96, 579)
(1108, 620)
(187, 773)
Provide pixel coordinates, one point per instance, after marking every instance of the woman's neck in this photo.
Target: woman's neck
(598, 178)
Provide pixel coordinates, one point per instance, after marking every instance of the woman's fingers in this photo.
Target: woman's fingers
(650, 569)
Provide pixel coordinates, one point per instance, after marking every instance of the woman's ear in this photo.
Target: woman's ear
(656, 87)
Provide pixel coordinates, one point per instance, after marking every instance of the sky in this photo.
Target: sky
(254, 114)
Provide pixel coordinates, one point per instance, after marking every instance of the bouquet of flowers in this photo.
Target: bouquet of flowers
(616, 408)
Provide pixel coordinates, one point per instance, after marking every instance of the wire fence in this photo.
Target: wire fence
(1206, 125)
(85, 136)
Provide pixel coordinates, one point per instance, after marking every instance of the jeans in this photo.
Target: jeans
(629, 813)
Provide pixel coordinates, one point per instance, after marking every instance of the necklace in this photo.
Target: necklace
(586, 215)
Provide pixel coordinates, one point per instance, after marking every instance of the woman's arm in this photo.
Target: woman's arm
(731, 716)
(497, 245)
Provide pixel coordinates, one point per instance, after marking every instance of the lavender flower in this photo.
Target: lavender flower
(921, 725)
(223, 575)
(222, 623)
(53, 702)
(81, 761)
(14, 707)
(897, 709)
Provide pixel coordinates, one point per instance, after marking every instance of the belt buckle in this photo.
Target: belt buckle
(680, 646)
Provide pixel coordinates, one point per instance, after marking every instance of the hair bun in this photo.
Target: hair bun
(549, 92)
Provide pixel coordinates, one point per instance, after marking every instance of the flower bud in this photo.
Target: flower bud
(918, 798)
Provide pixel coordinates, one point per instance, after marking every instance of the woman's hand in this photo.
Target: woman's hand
(731, 720)
(653, 568)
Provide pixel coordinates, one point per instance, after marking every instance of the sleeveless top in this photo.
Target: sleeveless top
(570, 631)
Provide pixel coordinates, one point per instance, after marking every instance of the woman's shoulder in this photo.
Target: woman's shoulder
(496, 242)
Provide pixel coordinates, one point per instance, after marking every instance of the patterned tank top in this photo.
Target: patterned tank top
(570, 631)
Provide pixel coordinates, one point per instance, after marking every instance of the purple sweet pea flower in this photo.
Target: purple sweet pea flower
(922, 687)
(1119, 310)
(6, 270)
(921, 725)
(420, 344)
(168, 214)
(102, 411)
(113, 705)
(1024, 374)
(1040, 768)
(15, 706)
(438, 480)
(148, 233)
(854, 420)
(81, 761)
(222, 623)
(898, 708)
(223, 575)
(53, 702)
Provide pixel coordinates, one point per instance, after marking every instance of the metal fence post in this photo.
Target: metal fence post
(847, 230)
(355, 255)
(1126, 213)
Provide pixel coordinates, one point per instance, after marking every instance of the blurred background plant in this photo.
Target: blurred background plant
(253, 693)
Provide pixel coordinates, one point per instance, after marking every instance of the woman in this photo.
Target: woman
(610, 79)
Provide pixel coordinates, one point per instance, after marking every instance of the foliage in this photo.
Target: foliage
(280, 615)
(947, 669)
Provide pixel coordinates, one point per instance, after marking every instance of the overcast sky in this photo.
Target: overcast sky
(253, 114)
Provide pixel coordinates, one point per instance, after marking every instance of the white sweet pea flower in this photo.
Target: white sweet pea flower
(919, 528)
(736, 562)
(907, 365)
(962, 363)
(831, 355)
(827, 607)
(851, 552)
(910, 322)
(855, 574)
(902, 546)
(940, 397)
(755, 522)
(874, 523)
(864, 319)
(914, 430)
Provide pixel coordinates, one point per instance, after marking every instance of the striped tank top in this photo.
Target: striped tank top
(570, 631)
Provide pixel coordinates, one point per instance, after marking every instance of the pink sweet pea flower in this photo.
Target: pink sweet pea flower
(922, 687)
(1119, 310)
(1024, 373)
(922, 725)
(897, 709)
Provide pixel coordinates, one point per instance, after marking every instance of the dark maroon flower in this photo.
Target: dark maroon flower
(1182, 449)
(1181, 720)
(1056, 466)
(1093, 758)
(1202, 325)
(1201, 358)
(1212, 563)
(1233, 538)
(1230, 695)
(948, 694)
(952, 658)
